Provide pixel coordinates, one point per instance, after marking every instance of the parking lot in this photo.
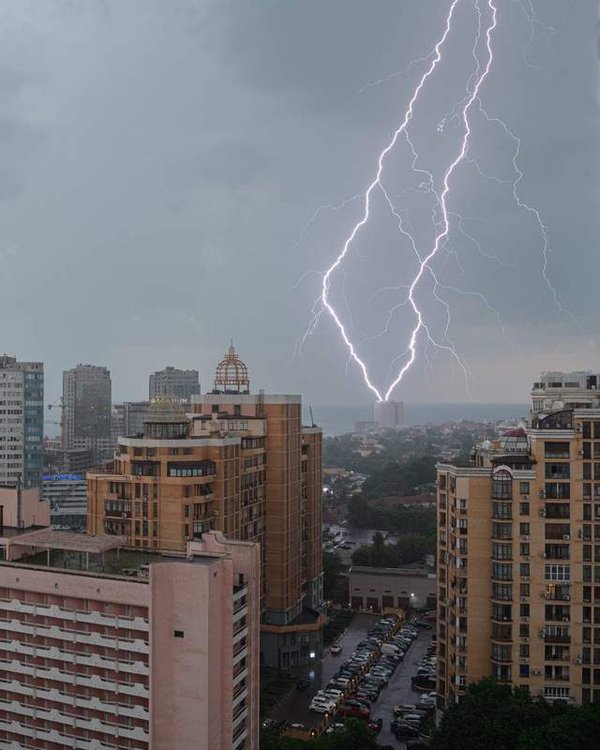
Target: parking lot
(295, 707)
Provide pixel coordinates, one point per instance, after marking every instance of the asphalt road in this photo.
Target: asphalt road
(294, 707)
(399, 689)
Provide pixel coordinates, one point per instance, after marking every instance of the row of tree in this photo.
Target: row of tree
(363, 514)
(354, 736)
(498, 717)
(409, 548)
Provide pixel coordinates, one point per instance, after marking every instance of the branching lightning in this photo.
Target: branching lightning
(421, 336)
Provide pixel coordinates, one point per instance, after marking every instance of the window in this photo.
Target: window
(502, 530)
(558, 471)
(502, 591)
(558, 490)
(501, 551)
(524, 589)
(557, 572)
(556, 450)
(524, 569)
(502, 485)
(524, 488)
(178, 634)
(524, 509)
(524, 549)
(524, 529)
(502, 571)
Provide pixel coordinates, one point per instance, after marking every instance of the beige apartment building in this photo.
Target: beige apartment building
(519, 551)
(239, 463)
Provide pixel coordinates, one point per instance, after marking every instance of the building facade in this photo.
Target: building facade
(519, 552)
(21, 422)
(179, 385)
(67, 496)
(103, 647)
(244, 465)
(378, 589)
(86, 405)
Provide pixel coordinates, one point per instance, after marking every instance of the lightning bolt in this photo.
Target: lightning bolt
(441, 214)
(435, 58)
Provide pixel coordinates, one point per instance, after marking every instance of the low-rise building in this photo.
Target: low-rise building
(376, 589)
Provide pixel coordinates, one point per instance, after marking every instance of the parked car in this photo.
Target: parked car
(268, 724)
(375, 726)
(302, 684)
(358, 712)
(403, 731)
(336, 649)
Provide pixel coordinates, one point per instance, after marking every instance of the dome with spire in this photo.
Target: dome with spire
(232, 374)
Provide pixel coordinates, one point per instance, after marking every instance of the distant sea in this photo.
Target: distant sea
(339, 420)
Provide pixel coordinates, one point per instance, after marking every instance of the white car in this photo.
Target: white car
(321, 707)
(337, 649)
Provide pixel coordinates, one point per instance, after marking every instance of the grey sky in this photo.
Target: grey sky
(160, 160)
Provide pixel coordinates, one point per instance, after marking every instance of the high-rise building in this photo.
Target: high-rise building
(86, 419)
(244, 465)
(519, 551)
(179, 385)
(103, 647)
(388, 415)
(21, 422)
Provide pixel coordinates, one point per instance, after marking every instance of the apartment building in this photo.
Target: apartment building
(21, 422)
(86, 405)
(519, 551)
(239, 463)
(104, 647)
(179, 385)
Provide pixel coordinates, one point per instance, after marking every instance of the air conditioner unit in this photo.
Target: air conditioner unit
(524, 619)
(567, 598)
(542, 633)
(580, 533)
(578, 660)
(566, 537)
(525, 640)
(565, 619)
(578, 428)
(542, 513)
(536, 671)
(527, 557)
(523, 598)
(525, 538)
(525, 579)
(542, 494)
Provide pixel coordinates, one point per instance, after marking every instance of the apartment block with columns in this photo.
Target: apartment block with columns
(104, 647)
(519, 551)
(240, 463)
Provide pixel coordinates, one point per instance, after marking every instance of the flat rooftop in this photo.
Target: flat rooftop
(123, 563)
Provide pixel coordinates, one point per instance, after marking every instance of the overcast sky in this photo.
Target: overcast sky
(160, 162)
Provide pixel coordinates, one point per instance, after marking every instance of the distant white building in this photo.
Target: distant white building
(388, 415)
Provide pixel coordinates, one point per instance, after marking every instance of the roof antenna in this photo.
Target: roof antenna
(312, 419)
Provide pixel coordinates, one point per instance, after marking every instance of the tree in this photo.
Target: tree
(498, 717)
(333, 567)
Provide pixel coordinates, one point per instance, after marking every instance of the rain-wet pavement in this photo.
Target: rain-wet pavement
(294, 707)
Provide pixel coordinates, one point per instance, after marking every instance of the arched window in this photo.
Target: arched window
(502, 485)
